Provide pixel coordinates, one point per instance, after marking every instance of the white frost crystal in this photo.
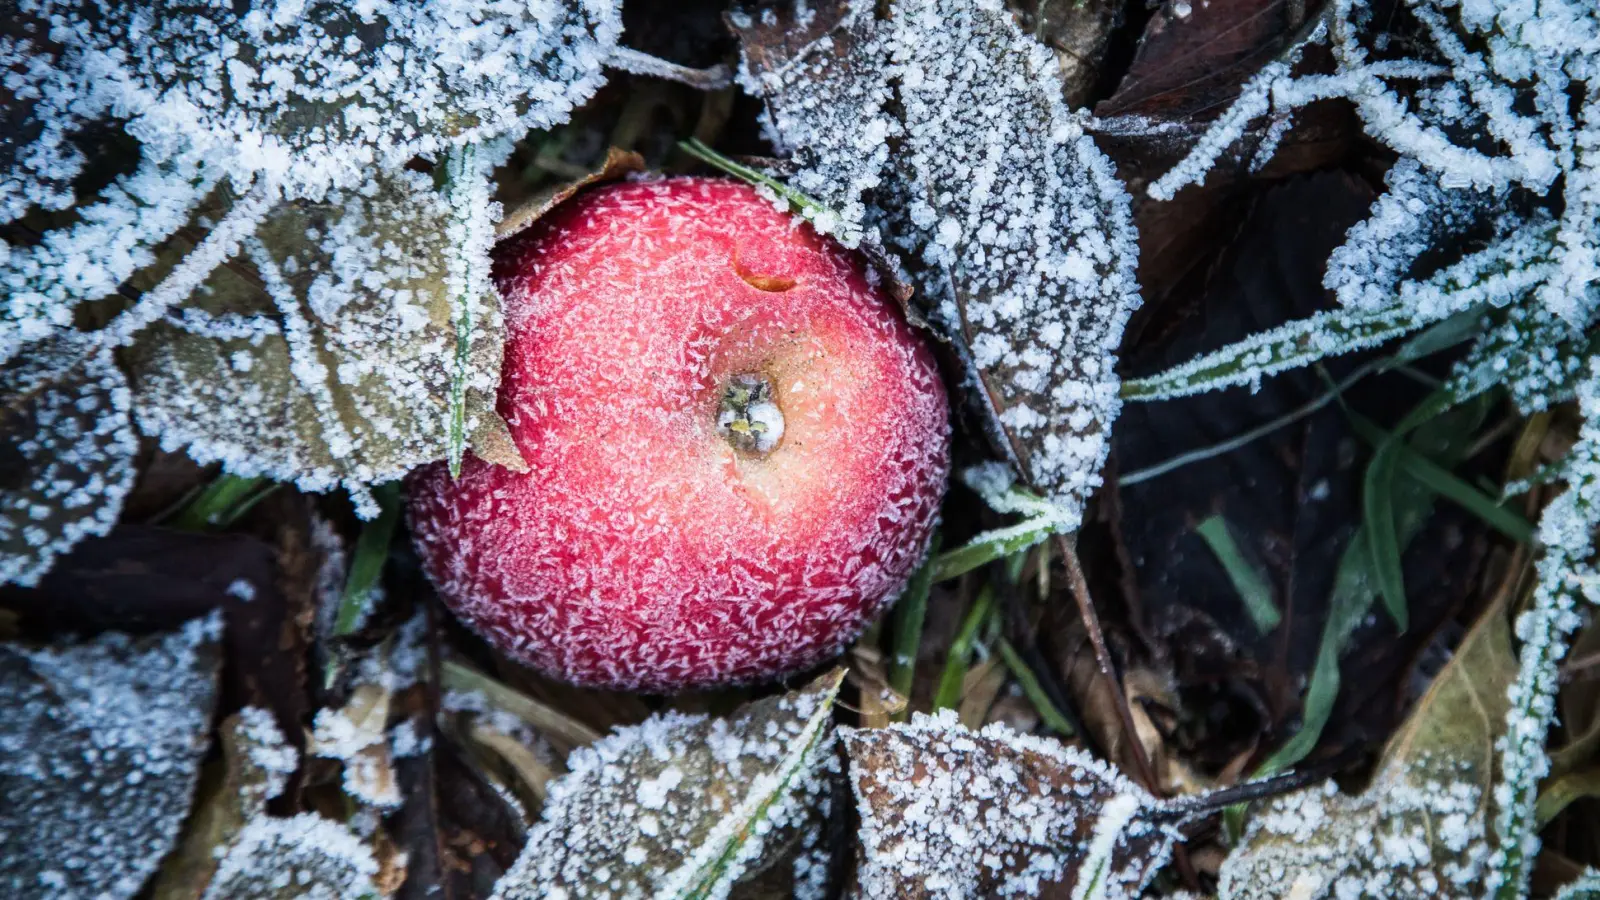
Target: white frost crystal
(73, 462)
(952, 813)
(685, 805)
(1018, 232)
(100, 748)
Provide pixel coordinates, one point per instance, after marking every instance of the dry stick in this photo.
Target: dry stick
(1102, 658)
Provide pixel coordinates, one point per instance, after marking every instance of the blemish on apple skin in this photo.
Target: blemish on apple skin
(772, 284)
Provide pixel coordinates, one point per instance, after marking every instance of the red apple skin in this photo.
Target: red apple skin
(643, 551)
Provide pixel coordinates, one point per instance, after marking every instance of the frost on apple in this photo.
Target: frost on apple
(952, 813)
(262, 347)
(71, 462)
(1016, 229)
(100, 747)
(325, 352)
(686, 805)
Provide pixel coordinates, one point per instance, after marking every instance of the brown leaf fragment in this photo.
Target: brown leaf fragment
(100, 748)
(951, 813)
(618, 164)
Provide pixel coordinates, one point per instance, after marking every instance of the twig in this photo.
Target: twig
(1102, 658)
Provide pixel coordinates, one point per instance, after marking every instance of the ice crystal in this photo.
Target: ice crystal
(1016, 229)
(311, 95)
(73, 446)
(331, 360)
(333, 322)
(685, 805)
(951, 813)
(100, 748)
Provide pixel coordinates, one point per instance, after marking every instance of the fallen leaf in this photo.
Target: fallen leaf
(683, 805)
(1420, 829)
(100, 748)
(952, 813)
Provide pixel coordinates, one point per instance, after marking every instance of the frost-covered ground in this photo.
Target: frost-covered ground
(1345, 647)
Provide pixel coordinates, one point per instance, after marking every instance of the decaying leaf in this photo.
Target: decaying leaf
(952, 813)
(617, 164)
(66, 457)
(312, 95)
(263, 857)
(686, 805)
(324, 355)
(1421, 829)
(941, 128)
(100, 746)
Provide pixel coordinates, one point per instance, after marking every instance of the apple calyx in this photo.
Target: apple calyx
(749, 417)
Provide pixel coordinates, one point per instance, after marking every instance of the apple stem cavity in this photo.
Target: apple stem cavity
(749, 417)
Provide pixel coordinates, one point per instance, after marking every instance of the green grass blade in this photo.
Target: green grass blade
(910, 613)
(992, 545)
(805, 205)
(221, 503)
(1247, 580)
(366, 567)
(1033, 690)
(1383, 540)
(1288, 346)
(948, 695)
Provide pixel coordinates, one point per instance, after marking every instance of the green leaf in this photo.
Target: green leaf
(951, 680)
(1288, 346)
(682, 806)
(1247, 579)
(221, 502)
(910, 611)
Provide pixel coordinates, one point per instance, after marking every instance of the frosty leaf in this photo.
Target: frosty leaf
(1288, 346)
(325, 355)
(100, 745)
(314, 94)
(257, 763)
(42, 105)
(66, 456)
(617, 164)
(952, 813)
(1020, 235)
(355, 735)
(1421, 827)
(87, 260)
(261, 857)
(1585, 887)
(685, 806)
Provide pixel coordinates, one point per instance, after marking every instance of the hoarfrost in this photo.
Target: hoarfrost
(72, 446)
(262, 857)
(952, 813)
(311, 95)
(345, 320)
(100, 748)
(1018, 233)
(685, 805)
(321, 370)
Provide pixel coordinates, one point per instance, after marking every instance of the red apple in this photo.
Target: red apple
(737, 446)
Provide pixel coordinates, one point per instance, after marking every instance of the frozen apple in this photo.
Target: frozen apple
(737, 446)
